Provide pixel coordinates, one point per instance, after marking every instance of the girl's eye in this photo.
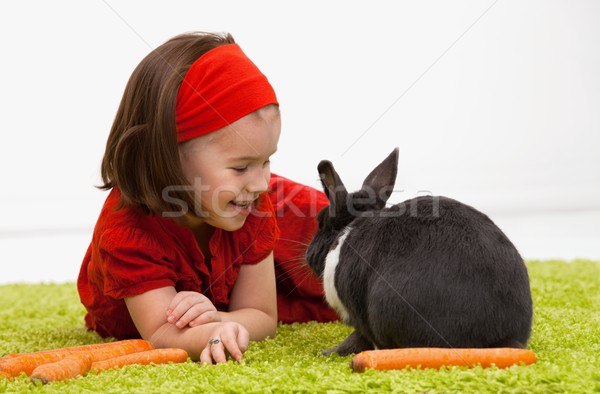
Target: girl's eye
(241, 170)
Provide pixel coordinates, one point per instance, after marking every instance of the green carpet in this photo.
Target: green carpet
(566, 338)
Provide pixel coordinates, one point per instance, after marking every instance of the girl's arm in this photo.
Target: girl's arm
(147, 311)
(253, 300)
(252, 315)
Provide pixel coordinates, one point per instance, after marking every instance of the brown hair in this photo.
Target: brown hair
(141, 156)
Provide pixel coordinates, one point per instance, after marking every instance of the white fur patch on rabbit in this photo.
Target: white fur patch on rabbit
(331, 262)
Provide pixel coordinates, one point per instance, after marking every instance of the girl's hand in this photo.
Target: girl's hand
(191, 308)
(230, 337)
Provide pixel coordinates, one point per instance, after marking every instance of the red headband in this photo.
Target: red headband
(222, 86)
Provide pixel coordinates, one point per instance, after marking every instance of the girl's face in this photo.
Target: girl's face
(229, 168)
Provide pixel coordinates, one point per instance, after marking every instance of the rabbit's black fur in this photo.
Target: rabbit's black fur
(428, 272)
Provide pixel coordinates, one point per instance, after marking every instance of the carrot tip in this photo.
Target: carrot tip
(357, 364)
(5, 375)
(38, 381)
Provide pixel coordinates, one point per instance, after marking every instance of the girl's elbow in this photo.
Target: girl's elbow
(272, 329)
(159, 340)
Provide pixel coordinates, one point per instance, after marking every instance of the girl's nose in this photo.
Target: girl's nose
(259, 182)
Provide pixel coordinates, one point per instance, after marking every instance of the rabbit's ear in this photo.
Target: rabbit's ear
(382, 179)
(332, 185)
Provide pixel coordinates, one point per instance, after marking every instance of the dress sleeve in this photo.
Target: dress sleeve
(260, 233)
(133, 262)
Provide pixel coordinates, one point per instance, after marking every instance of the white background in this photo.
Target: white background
(495, 103)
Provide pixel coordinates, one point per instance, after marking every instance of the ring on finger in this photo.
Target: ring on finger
(214, 341)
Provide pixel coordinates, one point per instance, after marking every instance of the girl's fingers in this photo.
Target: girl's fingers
(243, 338)
(217, 351)
(190, 301)
(192, 313)
(206, 356)
(179, 305)
(173, 303)
(230, 339)
(211, 316)
(177, 299)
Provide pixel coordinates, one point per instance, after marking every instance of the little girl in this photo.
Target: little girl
(198, 246)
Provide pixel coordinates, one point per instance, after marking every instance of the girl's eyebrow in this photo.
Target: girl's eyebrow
(252, 158)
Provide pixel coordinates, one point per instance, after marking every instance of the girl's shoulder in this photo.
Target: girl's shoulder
(130, 223)
(113, 215)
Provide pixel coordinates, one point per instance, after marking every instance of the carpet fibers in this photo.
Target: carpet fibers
(566, 339)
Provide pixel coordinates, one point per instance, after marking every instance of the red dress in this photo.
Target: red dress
(132, 253)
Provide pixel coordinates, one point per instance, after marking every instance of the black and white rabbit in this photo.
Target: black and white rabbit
(428, 272)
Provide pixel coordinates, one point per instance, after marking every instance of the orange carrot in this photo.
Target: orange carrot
(156, 356)
(5, 375)
(120, 348)
(438, 357)
(67, 368)
(138, 344)
(27, 362)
